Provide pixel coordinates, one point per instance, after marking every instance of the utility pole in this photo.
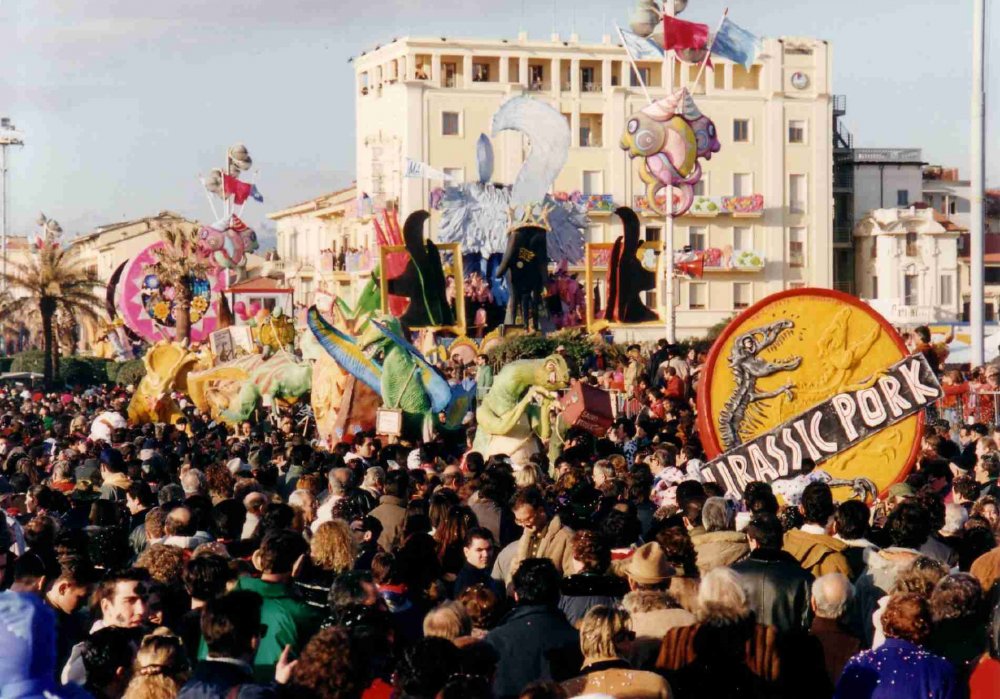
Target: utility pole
(8, 137)
(977, 181)
(668, 238)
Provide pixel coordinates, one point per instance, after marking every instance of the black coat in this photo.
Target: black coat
(778, 589)
(582, 591)
(534, 642)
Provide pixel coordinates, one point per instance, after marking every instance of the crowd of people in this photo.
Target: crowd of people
(199, 561)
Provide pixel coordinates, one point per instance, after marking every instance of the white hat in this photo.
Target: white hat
(237, 465)
(413, 460)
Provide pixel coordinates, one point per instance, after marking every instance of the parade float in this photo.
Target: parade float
(782, 391)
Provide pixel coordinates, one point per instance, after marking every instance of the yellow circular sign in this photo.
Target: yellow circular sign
(797, 350)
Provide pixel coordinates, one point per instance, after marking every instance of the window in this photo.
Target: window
(947, 286)
(741, 130)
(797, 247)
(450, 123)
(952, 207)
(797, 193)
(902, 197)
(911, 244)
(701, 186)
(480, 72)
(697, 295)
(742, 184)
(591, 127)
(874, 287)
(742, 238)
(643, 73)
(653, 233)
(457, 174)
(587, 75)
(593, 182)
(450, 73)
(874, 248)
(911, 290)
(536, 77)
(742, 292)
(796, 131)
(697, 237)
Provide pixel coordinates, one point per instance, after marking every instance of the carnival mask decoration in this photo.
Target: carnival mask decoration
(671, 135)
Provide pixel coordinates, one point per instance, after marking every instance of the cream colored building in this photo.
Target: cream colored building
(907, 265)
(429, 99)
(311, 237)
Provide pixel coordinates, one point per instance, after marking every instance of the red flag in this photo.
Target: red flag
(679, 35)
(239, 190)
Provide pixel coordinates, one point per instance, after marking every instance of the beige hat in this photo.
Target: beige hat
(649, 565)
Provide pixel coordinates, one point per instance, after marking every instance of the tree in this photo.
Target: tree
(178, 264)
(52, 280)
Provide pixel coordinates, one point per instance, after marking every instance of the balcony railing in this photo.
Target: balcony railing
(751, 206)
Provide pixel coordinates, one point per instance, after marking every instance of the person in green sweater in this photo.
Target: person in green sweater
(288, 620)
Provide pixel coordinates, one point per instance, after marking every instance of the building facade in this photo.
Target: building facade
(907, 265)
(324, 245)
(769, 190)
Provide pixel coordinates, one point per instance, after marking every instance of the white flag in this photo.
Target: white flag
(419, 170)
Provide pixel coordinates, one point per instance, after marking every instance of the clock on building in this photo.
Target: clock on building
(800, 81)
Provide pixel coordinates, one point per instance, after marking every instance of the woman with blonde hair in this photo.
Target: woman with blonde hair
(528, 475)
(606, 639)
(161, 668)
(331, 552)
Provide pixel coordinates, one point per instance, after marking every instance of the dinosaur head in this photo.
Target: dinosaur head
(373, 342)
(552, 373)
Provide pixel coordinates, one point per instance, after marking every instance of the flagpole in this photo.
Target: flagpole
(708, 52)
(635, 68)
(668, 246)
(209, 197)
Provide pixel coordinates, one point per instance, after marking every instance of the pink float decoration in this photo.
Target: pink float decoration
(147, 306)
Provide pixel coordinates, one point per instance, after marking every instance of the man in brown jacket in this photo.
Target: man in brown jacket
(543, 537)
(812, 545)
(391, 509)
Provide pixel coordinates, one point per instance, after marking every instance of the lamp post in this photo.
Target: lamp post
(977, 181)
(9, 136)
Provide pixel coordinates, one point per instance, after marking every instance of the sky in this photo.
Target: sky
(124, 103)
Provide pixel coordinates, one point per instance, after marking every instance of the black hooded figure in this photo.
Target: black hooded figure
(527, 261)
(423, 279)
(627, 278)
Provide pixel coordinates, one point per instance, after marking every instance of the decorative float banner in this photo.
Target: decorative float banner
(791, 354)
(829, 428)
(148, 306)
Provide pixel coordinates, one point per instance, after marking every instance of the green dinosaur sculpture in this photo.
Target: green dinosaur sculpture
(231, 391)
(384, 360)
(519, 408)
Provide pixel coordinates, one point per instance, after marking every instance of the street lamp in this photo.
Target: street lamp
(9, 136)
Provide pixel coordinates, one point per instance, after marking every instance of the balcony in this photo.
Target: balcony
(726, 259)
(898, 312)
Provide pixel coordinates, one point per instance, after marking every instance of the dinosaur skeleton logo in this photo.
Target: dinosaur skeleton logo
(739, 413)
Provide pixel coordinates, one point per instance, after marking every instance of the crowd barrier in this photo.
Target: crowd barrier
(981, 406)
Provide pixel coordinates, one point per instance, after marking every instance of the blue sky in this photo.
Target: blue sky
(124, 103)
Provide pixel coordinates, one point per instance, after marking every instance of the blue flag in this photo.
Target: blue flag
(736, 43)
(641, 48)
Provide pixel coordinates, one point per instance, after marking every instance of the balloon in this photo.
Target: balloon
(254, 308)
(241, 309)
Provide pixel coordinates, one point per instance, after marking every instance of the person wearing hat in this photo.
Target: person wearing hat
(649, 603)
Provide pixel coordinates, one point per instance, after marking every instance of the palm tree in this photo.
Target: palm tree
(51, 280)
(178, 264)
